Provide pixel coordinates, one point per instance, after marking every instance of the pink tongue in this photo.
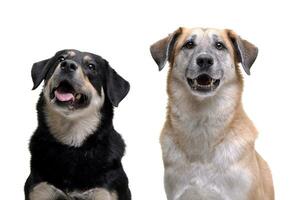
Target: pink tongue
(64, 96)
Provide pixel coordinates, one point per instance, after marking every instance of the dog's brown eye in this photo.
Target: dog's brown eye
(189, 44)
(61, 58)
(220, 45)
(91, 67)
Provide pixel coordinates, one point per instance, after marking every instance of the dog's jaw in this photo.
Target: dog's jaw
(72, 129)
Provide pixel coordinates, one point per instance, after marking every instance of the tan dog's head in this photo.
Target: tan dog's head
(204, 59)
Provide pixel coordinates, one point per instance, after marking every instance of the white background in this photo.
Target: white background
(121, 32)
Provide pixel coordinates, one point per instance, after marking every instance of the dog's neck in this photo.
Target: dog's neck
(72, 131)
(199, 122)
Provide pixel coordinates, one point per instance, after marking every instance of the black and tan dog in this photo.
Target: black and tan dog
(208, 140)
(76, 153)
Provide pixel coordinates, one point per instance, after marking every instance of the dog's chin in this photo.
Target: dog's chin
(66, 98)
(203, 85)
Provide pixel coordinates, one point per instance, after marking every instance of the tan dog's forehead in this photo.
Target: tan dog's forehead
(203, 34)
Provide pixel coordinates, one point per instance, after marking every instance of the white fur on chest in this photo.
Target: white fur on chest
(219, 178)
(74, 132)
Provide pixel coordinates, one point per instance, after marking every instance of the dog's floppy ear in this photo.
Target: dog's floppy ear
(245, 51)
(116, 86)
(161, 50)
(38, 72)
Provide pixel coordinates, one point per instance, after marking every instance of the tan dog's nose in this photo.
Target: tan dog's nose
(204, 62)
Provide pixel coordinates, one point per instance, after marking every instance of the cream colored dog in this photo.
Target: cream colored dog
(208, 140)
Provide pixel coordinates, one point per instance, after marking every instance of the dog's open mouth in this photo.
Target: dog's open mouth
(65, 95)
(203, 83)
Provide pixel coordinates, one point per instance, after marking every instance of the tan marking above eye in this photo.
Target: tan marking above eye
(87, 58)
(71, 53)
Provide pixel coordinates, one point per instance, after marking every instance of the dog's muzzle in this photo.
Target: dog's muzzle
(66, 90)
(67, 95)
(203, 83)
(201, 79)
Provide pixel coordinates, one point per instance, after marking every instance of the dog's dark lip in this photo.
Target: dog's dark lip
(203, 83)
(80, 99)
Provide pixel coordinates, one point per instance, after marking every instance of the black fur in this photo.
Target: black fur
(96, 163)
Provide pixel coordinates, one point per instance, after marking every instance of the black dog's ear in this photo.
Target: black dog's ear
(161, 50)
(38, 72)
(245, 51)
(116, 87)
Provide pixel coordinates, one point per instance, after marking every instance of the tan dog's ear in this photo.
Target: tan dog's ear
(161, 50)
(245, 51)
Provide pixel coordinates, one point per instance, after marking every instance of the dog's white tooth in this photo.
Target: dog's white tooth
(53, 100)
(195, 82)
(78, 96)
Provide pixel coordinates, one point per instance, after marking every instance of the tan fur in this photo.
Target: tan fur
(87, 58)
(45, 191)
(102, 194)
(229, 144)
(71, 53)
(94, 194)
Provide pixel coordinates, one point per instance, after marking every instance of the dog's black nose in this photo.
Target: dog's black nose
(68, 66)
(204, 61)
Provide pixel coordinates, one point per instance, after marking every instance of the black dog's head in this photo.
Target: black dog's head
(76, 81)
